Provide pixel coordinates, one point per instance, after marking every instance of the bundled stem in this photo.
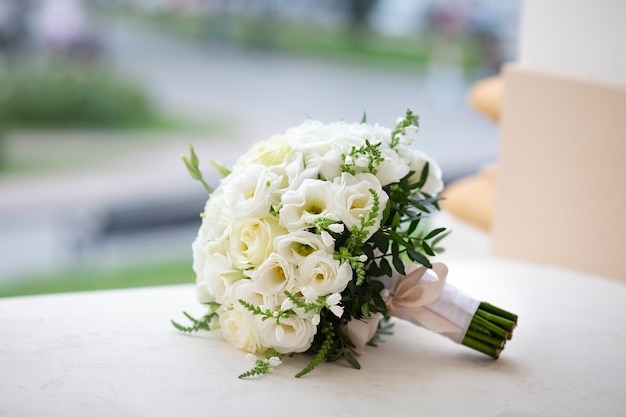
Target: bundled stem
(489, 330)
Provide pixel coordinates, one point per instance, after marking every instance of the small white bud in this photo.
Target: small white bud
(309, 293)
(333, 299)
(286, 305)
(337, 310)
(336, 227)
(327, 238)
(275, 361)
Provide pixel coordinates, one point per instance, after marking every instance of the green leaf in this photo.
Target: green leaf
(419, 258)
(427, 249)
(365, 309)
(413, 226)
(351, 360)
(434, 233)
(385, 268)
(364, 118)
(398, 264)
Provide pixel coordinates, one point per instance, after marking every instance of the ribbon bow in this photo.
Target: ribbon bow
(418, 297)
(413, 293)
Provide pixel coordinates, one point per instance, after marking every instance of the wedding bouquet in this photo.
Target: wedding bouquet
(317, 236)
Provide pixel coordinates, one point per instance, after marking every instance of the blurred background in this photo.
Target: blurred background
(98, 100)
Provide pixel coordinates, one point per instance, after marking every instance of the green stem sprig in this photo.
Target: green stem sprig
(328, 330)
(193, 166)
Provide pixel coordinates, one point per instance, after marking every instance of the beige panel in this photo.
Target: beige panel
(561, 186)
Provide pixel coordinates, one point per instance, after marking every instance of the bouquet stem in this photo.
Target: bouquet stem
(489, 330)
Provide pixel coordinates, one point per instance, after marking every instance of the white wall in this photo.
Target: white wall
(581, 38)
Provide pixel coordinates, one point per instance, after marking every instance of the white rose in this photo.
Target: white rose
(313, 200)
(296, 246)
(355, 201)
(272, 151)
(249, 192)
(416, 161)
(240, 328)
(275, 276)
(290, 335)
(251, 241)
(324, 274)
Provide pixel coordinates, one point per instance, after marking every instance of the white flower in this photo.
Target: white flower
(328, 240)
(275, 276)
(392, 169)
(313, 200)
(323, 274)
(272, 151)
(251, 241)
(216, 225)
(355, 200)
(296, 246)
(244, 290)
(416, 161)
(215, 278)
(249, 192)
(274, 361)
(309, 293)
(240, 328)
(292, 334)
(332, 301)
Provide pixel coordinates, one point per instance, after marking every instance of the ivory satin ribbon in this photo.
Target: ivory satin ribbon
(423, 298)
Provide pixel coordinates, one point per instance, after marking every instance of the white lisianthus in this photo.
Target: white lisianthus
(249, 193)
(252, 241)
(392, 169)
(274, 276)
(215, 278)
(313, 200)
(295, 247)
(292, 334)
(241, 328)
(416, 161)
(355, 200)
(217, 224)
(324, 274)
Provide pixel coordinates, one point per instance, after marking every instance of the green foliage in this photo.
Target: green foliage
(203, 323)
(193, 166)
(62, 95)
(369, 151)
(328, 332)
(410, 119)
(263, 366)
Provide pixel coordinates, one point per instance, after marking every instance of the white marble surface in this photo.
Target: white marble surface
(114, 353)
